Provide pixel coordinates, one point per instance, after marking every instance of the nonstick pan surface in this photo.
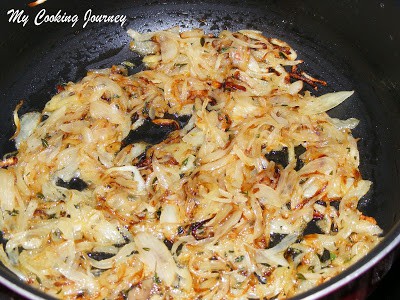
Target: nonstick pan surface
(350, 45)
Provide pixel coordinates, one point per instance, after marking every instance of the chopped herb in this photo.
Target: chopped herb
(348, 259)
(239, 258)
(13, 212)
(132, 197)
(231, 251)
(184, 163)
(257, 135)
(45, 143)
(116, 96)
(332, 256)
(135, 252)
(202, 41)
(157, 279)
(348, 149)
(300, 276)
(224, 49)
(238, 285)
(40, 196)
(52, 216)
(282, 55)
(331, 173)
(57, 233)
(38, 280)
(146, 249)
(180, 65)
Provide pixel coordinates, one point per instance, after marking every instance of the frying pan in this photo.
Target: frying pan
(351, 45)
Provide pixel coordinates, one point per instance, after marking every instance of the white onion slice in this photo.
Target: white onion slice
(156, 256)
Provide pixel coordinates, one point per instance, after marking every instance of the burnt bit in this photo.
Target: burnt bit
(317, 215)
(230, 85)
(74, 184)
(197, 230)
(10, 161)
(303, 76)
(168, 243)
(155, 131)
(60, 87)
(100, 255)
(280, 157)
(143, 160)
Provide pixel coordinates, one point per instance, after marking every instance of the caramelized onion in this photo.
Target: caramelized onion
(211, 174)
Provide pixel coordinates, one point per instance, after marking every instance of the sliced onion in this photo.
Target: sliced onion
(274, 255)
(169, 48)
(28, 124)
(350, 123)
(7, 190)
(101, 109)
(156, 256)
(82, 280)
(170, 214)
(324, 103)
(136, 175)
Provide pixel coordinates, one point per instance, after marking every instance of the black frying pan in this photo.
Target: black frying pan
(351, 45)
